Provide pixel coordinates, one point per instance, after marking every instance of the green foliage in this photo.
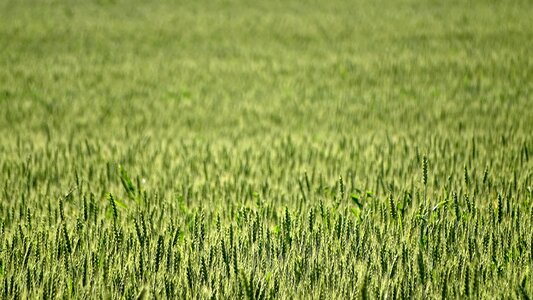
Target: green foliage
(266, 150)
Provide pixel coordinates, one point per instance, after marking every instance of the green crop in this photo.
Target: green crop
(266, 150)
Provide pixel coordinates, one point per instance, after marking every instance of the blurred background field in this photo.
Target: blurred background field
(215, 121)
(243, 69)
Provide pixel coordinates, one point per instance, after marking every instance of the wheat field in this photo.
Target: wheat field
(266, 150)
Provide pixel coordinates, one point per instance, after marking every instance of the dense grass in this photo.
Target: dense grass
(232, 149)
